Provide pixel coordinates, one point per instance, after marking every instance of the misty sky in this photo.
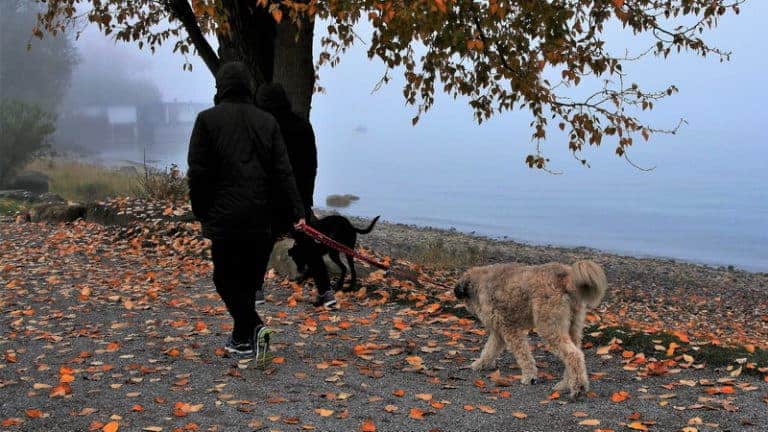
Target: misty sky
(726, 100)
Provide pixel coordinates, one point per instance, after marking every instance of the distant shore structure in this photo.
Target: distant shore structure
(152, 127)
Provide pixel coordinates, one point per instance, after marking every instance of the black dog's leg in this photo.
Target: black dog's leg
(334, 256)
(352, 274)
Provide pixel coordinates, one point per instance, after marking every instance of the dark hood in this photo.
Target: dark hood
(234, 83)
(272, 98)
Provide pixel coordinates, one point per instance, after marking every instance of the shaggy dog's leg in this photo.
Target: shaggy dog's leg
(553, 323)
(493, 347)
(517, 343)
(577, 325)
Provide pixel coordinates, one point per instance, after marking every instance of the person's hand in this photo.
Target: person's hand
(300, 223)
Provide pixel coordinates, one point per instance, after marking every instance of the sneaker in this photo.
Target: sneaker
(238, 349)
(261, 343)
(327, 299)
(259, 298)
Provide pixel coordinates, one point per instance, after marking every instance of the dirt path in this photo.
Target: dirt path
(98, 332)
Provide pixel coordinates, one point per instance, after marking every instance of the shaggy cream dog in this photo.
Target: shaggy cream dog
(509, 299)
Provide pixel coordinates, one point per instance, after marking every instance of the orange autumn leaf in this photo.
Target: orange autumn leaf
(441, 6)
(368, 426)
(590, 422)
(11, 421)
(720, 390)
(414, 360)
(112, 426)
(416, 414)
(554, 395)
(468, 408)
(67, 378)
(277, 14)
(519, 415)
(278, 360)
(619, 396)
(60, 390)
(113, 346)
(637, 426)
(33, 413)
(618, 3)
(200, 326)
(399, 392)
(137, 408)
(424, 396)
(324, 412)
(487, 409)
(437, 405)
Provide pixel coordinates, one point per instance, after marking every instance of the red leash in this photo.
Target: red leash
(331, 243)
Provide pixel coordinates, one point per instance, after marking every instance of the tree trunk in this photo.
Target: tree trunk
(251, 38)
(294, 66)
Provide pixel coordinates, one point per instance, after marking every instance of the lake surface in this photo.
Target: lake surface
(695, 205)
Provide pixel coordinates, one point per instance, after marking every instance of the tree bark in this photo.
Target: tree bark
(294, 64)
(251, 39)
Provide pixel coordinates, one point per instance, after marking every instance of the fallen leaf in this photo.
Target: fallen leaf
(368, 426)
(33, 413)
(416, 414)
(637, 426)
(590, 422)
(324, 412)
(424, 396)
(487, 409)
(518, 415)
(112, 426)
(619, 396)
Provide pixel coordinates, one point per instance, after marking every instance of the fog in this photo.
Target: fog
(705, 199)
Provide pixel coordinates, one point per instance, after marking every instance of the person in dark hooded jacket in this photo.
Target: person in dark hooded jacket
(237, 159)
(300, 141)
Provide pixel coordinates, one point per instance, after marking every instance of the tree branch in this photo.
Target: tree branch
(182, 10)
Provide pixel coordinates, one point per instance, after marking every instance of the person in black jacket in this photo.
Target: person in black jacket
(237, 158)
(300, 141)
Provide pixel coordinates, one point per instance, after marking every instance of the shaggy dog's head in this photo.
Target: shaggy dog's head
(463, 288)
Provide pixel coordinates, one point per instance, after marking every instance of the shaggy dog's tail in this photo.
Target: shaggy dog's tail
(590, 282)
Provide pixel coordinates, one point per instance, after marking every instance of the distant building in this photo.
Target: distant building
(157, 128)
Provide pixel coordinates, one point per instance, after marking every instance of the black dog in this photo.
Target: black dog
(340, 229)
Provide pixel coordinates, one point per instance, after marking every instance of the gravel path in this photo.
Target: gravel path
(98, 333)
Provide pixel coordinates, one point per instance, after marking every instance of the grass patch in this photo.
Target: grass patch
(10, 206)
(438, 254)
(711, 355)
(78, 181)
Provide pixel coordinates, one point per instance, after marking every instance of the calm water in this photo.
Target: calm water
(698, 207)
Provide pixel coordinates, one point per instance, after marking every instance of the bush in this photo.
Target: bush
(162, 185)
(25, 130)
(83, 182)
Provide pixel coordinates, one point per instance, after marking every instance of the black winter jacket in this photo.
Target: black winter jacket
(298, 136)
(238, 165)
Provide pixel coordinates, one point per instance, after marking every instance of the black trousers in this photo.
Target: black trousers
(238, 271)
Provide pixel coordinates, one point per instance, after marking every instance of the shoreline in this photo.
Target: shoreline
(506, 241)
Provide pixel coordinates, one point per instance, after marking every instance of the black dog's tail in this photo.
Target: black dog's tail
(370, 227)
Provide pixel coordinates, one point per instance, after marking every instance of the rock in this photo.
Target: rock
(32, 181)
(280, 261)
(57, 212)
(340, 200)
